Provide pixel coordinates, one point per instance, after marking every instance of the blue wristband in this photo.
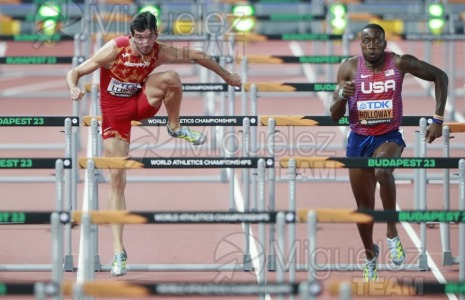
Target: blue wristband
(437, 121)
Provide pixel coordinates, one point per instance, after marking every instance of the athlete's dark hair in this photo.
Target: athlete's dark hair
(375, 27)
(142, 21)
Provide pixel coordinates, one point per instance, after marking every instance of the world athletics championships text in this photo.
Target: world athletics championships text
(211, 217)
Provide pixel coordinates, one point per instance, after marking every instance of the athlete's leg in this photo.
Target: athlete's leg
(117, 147)
(165, 88)
(363, 185)
(387, 185)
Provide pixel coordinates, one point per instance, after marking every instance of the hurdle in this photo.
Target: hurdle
(254, 37)
(68, 122)
(39, 60)
(273, 121)
(56, 219)
(173, 162)
(37, 40)
(420, 197)
(299, 57)
(303, 290)
(342, 162)
(303, 60)
(448, 259)
(281, 218)
(222, 88)
(382, 288)
(419, 177)
(70, 157)
(133, 289)
(128, 217)
(254, 88)
(206, 217)
(209, 121)
(40, 290)
(26, 217)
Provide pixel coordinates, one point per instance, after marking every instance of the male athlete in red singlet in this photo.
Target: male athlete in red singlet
(371, 86)
(131, 90)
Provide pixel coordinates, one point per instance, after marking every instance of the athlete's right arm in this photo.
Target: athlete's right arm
(103, 57)
(344, 89)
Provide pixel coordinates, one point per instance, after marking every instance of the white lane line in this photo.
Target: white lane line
(239, 201)
(416, 241)
(297, 50)
(424, 84)
(26, 87)
(3, 47)
(32, 87)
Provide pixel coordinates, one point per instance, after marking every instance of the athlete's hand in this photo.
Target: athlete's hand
(348, 90)
(76, 93)
(433, 131)
(233, 79)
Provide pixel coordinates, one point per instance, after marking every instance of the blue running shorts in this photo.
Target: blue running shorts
(364, 146)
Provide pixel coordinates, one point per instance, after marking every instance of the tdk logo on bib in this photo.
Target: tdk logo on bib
(375, 104)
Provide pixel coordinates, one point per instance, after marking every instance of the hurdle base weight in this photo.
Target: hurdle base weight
(423, 263)
(271, 265)
(68, 263)
(247, 262)
(448, 259)
(97, 263)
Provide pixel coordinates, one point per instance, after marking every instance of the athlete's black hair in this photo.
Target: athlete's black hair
(375, 27)
(142, 21)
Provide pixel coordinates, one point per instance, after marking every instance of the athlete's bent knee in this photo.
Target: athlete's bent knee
(172, 79)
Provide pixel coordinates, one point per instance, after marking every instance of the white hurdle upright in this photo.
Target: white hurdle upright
(461, 257)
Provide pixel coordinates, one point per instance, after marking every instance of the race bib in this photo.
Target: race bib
(372, 112)
(122, 89)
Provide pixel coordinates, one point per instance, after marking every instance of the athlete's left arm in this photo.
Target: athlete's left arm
(411, 64)
(170, 54)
